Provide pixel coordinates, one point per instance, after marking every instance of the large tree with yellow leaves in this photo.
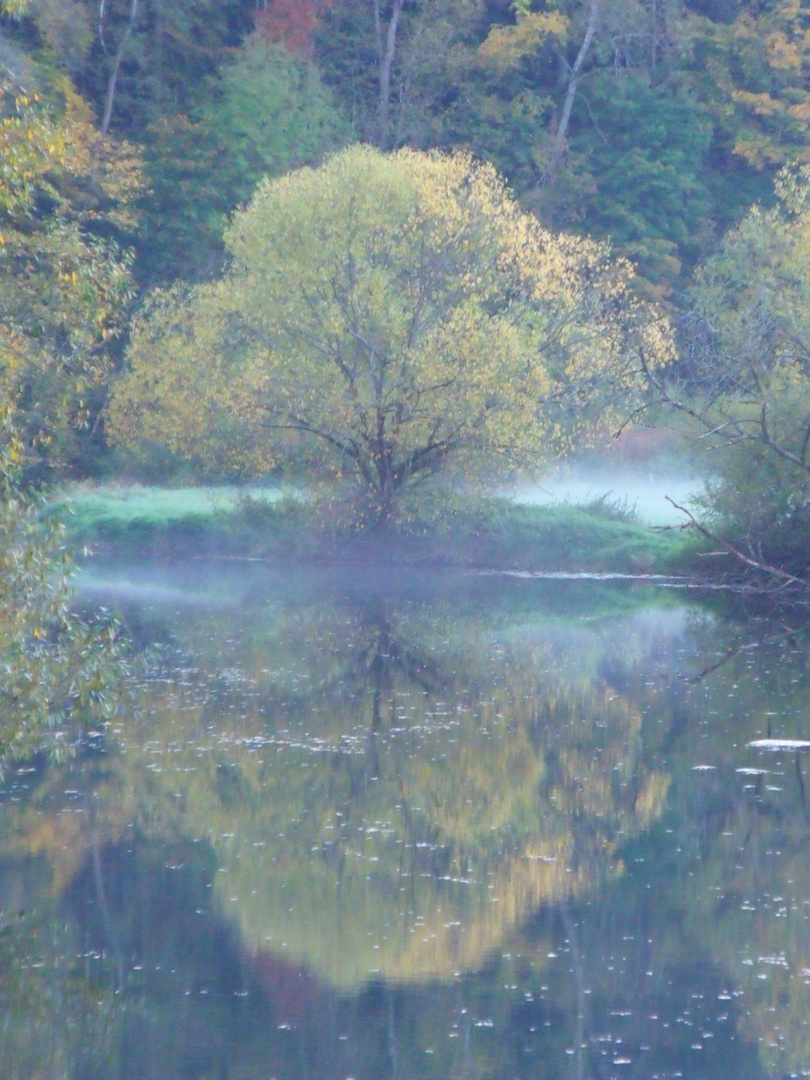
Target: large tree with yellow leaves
(392, 317)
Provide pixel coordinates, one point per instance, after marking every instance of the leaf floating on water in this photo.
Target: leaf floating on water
(779, 744)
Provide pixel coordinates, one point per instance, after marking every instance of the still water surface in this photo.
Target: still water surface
(463, 828)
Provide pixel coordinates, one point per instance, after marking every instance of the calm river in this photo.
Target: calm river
(462, 828)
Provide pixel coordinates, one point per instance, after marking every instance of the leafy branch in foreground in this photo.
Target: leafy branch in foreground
(58, 673)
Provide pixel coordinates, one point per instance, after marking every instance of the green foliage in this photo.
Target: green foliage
(171, 49)
(433, 68)
(650, 195)
(678, 118)
(270, 113)
(66, 28)
(761, 503)
(654, 122)
(748, 391)
(265, 113)
(58, 672)
(754, 79)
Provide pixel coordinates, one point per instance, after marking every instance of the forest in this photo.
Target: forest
(384, 244)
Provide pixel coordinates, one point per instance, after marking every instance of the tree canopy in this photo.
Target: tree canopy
(747, 381)
(576, 102)
(266, 113)
(66, 209)
(399, 316)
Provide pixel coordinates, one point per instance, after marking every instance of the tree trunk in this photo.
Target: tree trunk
(574, 76)
(119, 56)
(386, 51)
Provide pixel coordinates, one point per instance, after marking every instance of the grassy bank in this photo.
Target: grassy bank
(156, 523)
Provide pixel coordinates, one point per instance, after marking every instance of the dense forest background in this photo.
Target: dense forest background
(655, 123)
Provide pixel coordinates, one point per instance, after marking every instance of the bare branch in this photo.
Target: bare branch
(763, 567)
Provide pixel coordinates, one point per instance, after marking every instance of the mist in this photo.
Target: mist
(643, 489)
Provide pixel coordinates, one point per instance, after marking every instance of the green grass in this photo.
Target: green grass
(148, 520)
(266, 523)
(160, 506)
(571, 538)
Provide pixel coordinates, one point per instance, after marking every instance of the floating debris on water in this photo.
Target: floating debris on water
(779, 744)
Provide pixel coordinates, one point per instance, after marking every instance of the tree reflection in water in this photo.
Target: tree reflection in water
(430, 835)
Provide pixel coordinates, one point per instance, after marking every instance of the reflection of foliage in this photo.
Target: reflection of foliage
(743, 833)
(60, 1014)
(395, 798)
(753, 894)
(264, 762)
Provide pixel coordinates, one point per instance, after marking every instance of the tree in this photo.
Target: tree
(755, 69)
(148, 57)
(371, 33)
(65, 280)
(397, 67)
(747, 382)
(134, 60)
(398, 316)
(266, 112)
(621, 146)
(651, 195)
(291, 23)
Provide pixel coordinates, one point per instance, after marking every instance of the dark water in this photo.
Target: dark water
(464, 828)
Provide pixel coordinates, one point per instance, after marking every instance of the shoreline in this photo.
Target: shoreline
(492, 535)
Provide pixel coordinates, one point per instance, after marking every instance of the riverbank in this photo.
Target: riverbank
(600, 536)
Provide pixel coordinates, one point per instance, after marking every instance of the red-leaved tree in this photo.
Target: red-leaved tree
(290, 23)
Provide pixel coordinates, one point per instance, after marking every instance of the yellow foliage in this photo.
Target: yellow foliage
(15, 8)
(63, 292)
(759, 65)
(397, 315)
(505, 45)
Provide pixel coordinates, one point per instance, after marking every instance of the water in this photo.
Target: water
(468, 828)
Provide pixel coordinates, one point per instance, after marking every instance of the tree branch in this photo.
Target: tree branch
(755, 564)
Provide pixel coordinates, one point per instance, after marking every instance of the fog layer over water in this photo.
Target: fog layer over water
(643, 489)
(451, 827)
